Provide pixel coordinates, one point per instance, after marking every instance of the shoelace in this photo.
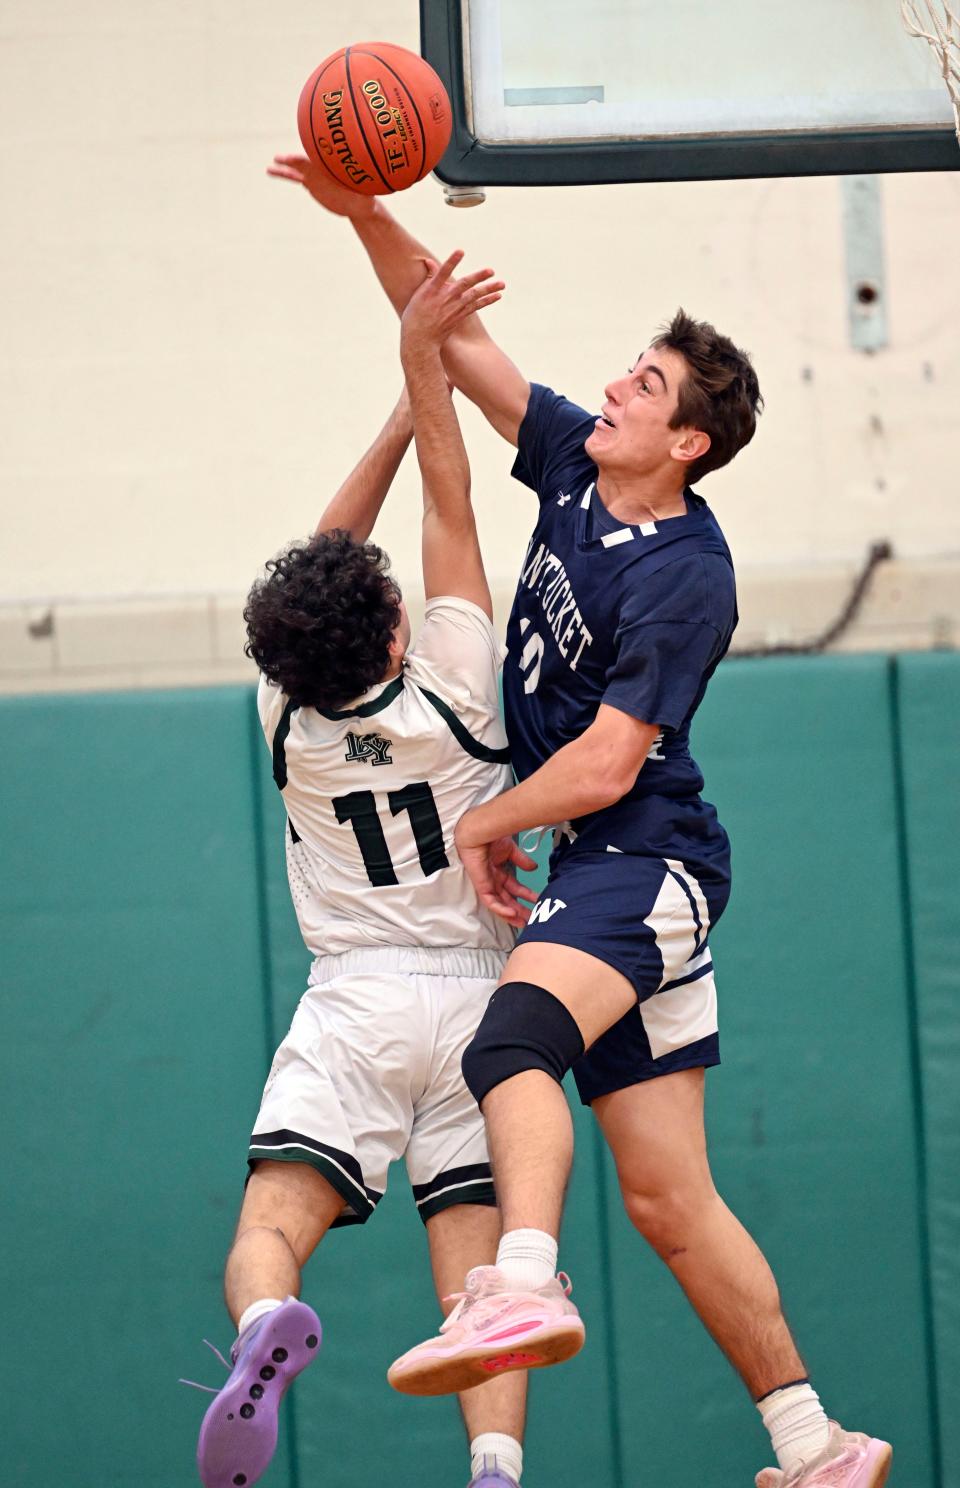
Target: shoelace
(208, 1389)
(471, 1299)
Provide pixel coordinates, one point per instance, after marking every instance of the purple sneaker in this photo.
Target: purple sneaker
(239, 1433)
(492, 1477)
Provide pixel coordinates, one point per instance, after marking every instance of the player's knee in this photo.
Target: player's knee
(524, 1028)
(667, 1217)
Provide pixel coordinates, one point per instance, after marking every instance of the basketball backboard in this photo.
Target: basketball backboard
(559, 92)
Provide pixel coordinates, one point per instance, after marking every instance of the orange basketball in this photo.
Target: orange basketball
(376, 116)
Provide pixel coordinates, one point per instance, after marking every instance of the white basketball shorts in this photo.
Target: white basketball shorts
(370, 1072)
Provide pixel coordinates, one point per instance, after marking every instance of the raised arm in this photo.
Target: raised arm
(356, 505)
(473, 361)
(452, 561)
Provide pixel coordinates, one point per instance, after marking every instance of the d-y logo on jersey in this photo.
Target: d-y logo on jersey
(371, 748)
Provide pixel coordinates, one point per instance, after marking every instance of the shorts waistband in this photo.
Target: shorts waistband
(453, 961)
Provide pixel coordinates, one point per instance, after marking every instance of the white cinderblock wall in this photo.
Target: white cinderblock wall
(193, 354)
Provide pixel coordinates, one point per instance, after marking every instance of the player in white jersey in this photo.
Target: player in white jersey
(378, 749)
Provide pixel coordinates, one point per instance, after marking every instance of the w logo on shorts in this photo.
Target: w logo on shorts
(370, 748)
(544, 910)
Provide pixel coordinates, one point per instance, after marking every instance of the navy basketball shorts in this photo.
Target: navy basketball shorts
(650, 919)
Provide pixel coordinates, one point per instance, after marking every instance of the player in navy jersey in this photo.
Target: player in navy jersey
(625, 605)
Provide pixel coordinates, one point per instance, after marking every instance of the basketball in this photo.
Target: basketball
(376, 116)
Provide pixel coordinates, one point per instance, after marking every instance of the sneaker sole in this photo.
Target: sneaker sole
(239, 1433)
(474, 1366)
(876, 1468)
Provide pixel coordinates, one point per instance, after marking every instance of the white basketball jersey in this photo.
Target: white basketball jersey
(373, 794)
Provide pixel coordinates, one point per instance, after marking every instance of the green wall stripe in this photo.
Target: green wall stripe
(288, 1422)
(603, 1160)
(916, 1067)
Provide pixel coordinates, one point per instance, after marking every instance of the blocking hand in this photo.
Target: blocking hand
(337, 199)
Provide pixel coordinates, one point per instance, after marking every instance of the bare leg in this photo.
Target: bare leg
(461, 1237)
(656, 1133)
(529, 1129)
(286, 1211)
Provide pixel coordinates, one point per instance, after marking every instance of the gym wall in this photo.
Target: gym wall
(152, 961)
(196, 354)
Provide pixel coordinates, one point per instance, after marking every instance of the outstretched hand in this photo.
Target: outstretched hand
(321, 186)
(442, 302)
(490, 868)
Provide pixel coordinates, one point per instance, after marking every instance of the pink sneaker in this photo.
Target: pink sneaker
(490, 1331)
(849, 1460)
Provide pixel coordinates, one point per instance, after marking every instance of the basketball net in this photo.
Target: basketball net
(941, 31)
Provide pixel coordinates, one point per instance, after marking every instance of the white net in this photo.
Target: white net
(935, 23)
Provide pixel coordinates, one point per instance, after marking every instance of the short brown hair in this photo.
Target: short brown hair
(720, 394)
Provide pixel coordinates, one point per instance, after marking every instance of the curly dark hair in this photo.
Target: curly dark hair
(720, 394)
(320, 623)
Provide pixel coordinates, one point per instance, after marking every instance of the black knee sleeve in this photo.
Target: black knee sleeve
(524, 1027)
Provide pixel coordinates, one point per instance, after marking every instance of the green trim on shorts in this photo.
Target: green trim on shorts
(361, 1206)
(481, 1192)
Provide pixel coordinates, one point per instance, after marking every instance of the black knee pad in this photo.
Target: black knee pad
(524, 1027)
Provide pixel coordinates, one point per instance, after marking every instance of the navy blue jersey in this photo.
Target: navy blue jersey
(634, 616)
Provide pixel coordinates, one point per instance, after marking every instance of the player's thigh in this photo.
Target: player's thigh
(613, 928)
(594, 993)
(446, 1158)
(293, 1198)
(655, 1132)
(339, 1095)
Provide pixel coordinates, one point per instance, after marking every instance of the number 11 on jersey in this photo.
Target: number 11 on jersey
(359, 808)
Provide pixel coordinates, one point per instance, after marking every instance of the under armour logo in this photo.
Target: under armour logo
(545, 910)
(563, 498)
(368, 748)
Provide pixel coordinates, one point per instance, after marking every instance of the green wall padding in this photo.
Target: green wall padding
(152, 960)
(133, 1032)
(929, 713)
(810, 1116)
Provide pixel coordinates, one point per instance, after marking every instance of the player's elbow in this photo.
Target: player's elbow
(610, 774)
(605, 783)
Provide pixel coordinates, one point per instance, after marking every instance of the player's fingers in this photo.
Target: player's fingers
(465, 308)
(479, 291)
(495, 906)
(521, 891)
(285, 173)
(520, 858)
(300, 161)
(449, 264)
(482, 304)
(469, 280)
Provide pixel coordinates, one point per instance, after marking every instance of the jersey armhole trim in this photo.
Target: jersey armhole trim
(463, 735)
(279, 743)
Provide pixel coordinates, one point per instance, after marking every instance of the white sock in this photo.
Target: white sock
(493, 1449)
(797, 1423)
(527, 1258)
(255, 1312)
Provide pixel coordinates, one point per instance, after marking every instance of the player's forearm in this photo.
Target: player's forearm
(398, 262)
(357, 504)
(396, 256)
(472, 359)
(440, 448)
(569, 785)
